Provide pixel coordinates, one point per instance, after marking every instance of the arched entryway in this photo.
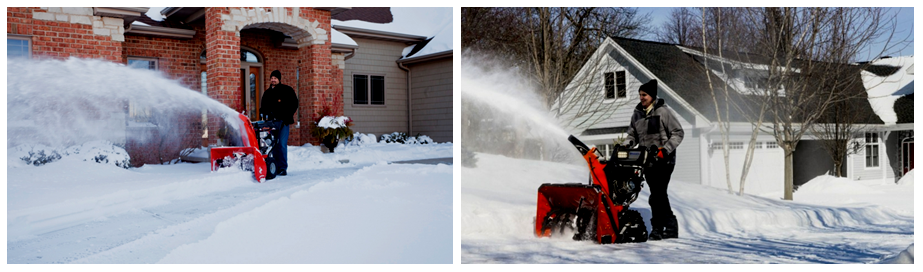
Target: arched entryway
(251, 80)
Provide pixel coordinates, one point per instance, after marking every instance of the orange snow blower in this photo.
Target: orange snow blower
(596, 211)
(253, 152)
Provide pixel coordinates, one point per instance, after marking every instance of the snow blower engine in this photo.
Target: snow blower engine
(599, 210)
(254, 150)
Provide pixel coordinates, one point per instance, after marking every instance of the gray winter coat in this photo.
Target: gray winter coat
(659, 128)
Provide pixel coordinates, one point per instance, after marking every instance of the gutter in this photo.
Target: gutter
(378, 34)
(427, 57)
(160, 31)
(409, 101)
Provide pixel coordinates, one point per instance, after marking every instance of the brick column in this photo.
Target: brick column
(321, 80)
(222, 58)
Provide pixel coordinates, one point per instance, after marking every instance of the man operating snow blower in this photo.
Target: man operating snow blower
(654, 124)
(279, 102)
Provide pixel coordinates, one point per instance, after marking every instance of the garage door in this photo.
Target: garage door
(766, 176)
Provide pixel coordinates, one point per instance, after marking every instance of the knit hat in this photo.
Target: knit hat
(276, 74)
(650, 88)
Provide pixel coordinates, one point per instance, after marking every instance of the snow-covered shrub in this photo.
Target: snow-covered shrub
(103, 152)
(400, 137)
(359, 139)
(423, 139)
(39, 158)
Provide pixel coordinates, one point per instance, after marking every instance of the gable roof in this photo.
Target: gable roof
(685, 74)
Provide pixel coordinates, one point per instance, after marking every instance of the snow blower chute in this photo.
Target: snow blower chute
(599, 210)
(253, 152)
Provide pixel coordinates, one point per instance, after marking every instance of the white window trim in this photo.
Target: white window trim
(615, 85)
(24, 38)
(865, 154)
(369, 90)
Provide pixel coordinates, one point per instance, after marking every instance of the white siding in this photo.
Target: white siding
(883, 171)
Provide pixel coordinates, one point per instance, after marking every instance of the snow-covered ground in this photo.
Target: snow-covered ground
(830, 221)
(352, 206)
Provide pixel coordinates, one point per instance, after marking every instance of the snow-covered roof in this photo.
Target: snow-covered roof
(154, 13)
(884, 90)
(433, 23)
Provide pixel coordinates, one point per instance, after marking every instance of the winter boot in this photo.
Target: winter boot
(656, 230)
(670, 228)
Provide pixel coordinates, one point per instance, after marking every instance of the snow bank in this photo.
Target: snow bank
(498, 211)
(827, 184)
(904, 257)
(907, 179)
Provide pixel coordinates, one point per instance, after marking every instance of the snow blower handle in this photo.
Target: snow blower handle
(583, 148)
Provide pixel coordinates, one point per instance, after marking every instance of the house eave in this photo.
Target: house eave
(427, 57)
(356, 32)
(161, 31)
(334, 10)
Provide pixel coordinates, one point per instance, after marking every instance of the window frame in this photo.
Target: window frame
(368, 90)
(872, 150)
(152, 59)
(132, 116)
(617, 93)
(26, 38)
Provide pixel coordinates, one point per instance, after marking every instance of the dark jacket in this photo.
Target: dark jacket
(659, 128)
(279, 103)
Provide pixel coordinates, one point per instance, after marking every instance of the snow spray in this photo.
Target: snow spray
(508, 114)
(61, 103)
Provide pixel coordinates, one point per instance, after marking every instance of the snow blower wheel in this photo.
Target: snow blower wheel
(270, 168)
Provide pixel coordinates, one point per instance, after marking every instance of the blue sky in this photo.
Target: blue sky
(904, 19)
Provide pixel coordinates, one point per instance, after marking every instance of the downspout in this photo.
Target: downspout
(409, 101)
(350, 55)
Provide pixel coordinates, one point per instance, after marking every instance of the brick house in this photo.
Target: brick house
(226, 53)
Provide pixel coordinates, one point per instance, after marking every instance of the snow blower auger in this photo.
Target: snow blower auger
(599, 210)
(250, 153)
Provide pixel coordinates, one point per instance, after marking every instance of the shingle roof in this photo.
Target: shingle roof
(685, 74)
(372, 15)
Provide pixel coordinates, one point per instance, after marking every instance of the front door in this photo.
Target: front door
(250, 91)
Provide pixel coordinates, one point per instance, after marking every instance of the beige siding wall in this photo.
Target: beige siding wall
(431, 93)
(376, 57)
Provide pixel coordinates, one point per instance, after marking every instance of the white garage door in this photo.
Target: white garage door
(766, 176)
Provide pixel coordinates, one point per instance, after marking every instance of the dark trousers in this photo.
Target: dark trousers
(280, 152)
(658, 177)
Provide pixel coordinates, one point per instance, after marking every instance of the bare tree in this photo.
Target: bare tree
(550, 45)
(682, 27)
(808, 71)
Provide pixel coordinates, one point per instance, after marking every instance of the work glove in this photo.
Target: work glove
(655, 153)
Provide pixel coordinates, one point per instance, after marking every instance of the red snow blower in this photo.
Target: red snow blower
(599, 210)
(253, 152)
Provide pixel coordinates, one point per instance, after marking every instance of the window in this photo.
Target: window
(615, 84)
(369, 89)
(142, 63)
(138, 113)
(871, 149)
(772, 145)
(758, 145)
(18, 47)
(620, 85)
